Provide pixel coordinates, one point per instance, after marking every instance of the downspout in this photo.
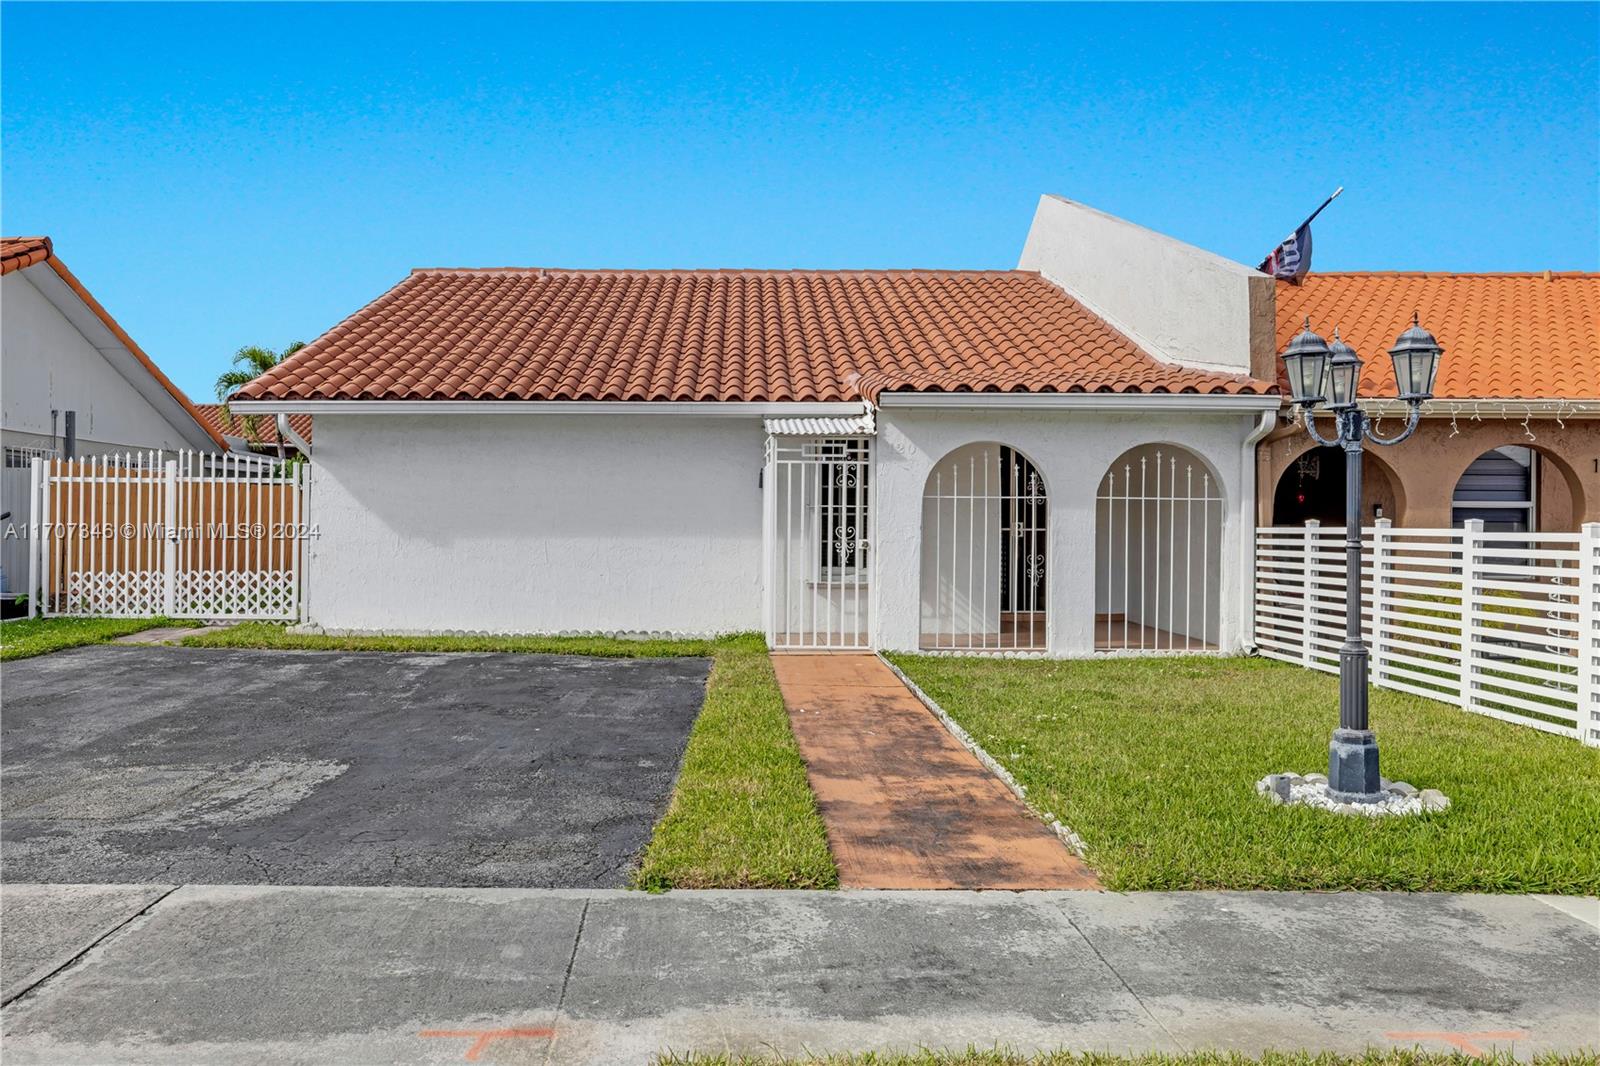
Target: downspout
(286, 433)
(1247, 558)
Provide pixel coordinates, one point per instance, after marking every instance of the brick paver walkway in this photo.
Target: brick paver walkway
(905, 804)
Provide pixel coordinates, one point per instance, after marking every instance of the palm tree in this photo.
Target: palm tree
(249, 363)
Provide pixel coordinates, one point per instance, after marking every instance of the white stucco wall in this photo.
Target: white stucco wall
(47, 362)
(1182, 304)
(1072, 450)
(537, 523)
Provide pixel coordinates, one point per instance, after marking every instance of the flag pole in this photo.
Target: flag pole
(1318, 211)
(1309, 219)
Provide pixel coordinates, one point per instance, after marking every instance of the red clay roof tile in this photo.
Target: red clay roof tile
(729, 335)
(19, 252)
(1505, 336)
(265, 428)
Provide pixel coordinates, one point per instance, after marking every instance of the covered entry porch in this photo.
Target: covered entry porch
(1052, 532)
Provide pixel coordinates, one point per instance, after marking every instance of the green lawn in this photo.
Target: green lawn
(1153, 762)
(741, 814)
(24, 637)
(975, 1057)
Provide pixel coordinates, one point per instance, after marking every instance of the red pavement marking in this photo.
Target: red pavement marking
(1461, 1041)
(481, 1038)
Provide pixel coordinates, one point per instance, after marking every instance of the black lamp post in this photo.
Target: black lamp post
(1320, 373)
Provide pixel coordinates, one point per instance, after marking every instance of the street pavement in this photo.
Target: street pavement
(224, 975)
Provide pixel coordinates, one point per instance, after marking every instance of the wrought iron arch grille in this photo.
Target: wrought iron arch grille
(985, 532)
(1158, 533)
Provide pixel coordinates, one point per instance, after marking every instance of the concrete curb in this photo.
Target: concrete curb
(1073, 842)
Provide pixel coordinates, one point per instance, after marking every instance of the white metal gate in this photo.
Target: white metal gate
(984, 547)
(818, 588)
(1158, 566)
(196, 536)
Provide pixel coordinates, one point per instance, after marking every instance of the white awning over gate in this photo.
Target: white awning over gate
(858, 426)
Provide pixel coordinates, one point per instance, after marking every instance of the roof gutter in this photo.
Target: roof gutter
(287, 434)
(1082, 401)
(701, 408)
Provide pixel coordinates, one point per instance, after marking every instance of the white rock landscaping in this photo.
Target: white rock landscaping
(1311, 790)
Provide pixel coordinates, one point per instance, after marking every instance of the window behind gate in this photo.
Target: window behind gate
(842, 504)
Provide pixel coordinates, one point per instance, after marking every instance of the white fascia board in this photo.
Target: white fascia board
(697, 408)
(1081, 401)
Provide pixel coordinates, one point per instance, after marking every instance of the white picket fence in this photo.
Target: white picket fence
(1501, 624)
(197, 535)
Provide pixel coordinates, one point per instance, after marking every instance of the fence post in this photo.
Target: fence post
(169, 543)
(1380, 576)
(1308, 607)
(1469, 588)
(1588, 717)
(36, 533)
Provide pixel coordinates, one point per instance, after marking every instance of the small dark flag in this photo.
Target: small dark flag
(1290, 260)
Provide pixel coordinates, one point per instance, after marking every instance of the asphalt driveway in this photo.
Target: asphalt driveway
(211, 766)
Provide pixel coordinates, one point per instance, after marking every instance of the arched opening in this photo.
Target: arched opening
(1313, 488)
(1518, 488)
(984, 536)
(1158, 555)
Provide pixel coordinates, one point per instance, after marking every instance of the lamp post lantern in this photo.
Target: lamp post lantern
(1321, 373)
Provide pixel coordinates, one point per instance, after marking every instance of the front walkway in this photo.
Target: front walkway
(221, 976)
(905, 804)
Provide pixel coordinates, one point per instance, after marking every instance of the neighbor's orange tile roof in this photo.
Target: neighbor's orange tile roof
(19, 252)
(1505, 336)
(529, 334)
(266, 428)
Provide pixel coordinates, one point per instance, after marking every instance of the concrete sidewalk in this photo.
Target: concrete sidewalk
(141, 974)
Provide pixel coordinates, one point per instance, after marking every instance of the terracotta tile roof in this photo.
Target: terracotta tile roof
(19, 252)
(1505, 336)
(266, 426)
(530, 334)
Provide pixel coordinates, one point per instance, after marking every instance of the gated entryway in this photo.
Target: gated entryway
(817, 514)
(192, 536)
(1158, 555)
(984, 547)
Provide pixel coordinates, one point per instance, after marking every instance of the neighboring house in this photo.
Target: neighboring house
(1052, 460)
(1513, 437)
(259, 436)
(72, 382)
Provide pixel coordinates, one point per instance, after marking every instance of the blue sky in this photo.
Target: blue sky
(250, 174)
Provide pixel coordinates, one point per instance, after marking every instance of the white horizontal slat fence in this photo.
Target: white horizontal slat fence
(1501, 624)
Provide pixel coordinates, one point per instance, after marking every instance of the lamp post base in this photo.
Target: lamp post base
(1353, 766)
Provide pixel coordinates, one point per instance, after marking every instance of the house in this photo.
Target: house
(1054, 459)
(1512, 436)
(73, 383)
(255, 434)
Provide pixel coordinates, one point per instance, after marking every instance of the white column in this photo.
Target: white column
(1588, 716)
(1380, 575)
(1308, 607)
(1470, 578)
